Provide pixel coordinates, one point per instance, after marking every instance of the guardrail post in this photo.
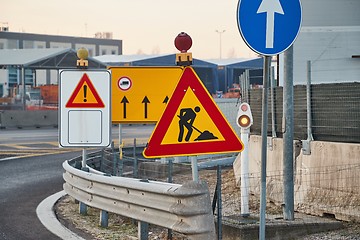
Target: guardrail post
(143, 230)
(104, 218)
(82, 208)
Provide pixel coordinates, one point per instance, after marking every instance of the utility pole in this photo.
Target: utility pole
(220, 33)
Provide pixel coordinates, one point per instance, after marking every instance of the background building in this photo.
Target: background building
(330, 39)
(101, 44)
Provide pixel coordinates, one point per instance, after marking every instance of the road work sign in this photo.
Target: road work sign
(140, 94)
(85, 108)
(191, 124)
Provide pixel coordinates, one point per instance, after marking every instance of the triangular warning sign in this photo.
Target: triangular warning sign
(191, 124)
(85, 95)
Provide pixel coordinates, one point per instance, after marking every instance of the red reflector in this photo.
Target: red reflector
(244, 108)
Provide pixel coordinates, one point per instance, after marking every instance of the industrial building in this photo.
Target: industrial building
(102, 45)
(10, 75)
(216, 76)
(330, 39)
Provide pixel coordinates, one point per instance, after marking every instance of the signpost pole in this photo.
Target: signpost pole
(23, 82)
(83, 206)
(83, 158)
(121, 145)
(272, 43)
(272, 86)
(194, 167)
(288, 138)
(85, 104)
(264, 122)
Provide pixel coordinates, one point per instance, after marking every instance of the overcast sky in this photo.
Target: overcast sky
(145, 26)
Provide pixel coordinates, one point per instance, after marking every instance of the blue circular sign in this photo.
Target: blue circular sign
(269, 27)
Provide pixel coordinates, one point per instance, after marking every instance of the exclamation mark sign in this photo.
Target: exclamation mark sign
(85, 89)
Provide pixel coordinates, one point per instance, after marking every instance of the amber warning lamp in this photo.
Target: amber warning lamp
(83, 55)
(183, 43)
(244, 117)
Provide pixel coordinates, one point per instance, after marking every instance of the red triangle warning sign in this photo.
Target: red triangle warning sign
(191, 124)
(85, 95)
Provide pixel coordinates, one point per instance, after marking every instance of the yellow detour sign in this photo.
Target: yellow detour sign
(140, 94)
(191, 124)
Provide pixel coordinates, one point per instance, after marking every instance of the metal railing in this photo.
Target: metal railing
(183, 208)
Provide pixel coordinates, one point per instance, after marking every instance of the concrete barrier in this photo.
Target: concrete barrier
(46, 118)
(326, 183)
(23, 119)
(229, 108)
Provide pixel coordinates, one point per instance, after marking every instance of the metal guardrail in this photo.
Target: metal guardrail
(183, 208)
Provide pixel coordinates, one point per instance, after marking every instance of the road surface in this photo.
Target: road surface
(25, 182)
(35, 174)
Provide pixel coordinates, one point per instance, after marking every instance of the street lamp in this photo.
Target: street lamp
(220, 32)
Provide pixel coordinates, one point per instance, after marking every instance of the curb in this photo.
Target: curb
(47, 217)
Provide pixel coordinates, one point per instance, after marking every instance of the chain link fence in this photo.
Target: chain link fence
(330, 192)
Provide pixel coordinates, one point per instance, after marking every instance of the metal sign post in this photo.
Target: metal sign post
(288, 137)
(264, 122)
(268, 27)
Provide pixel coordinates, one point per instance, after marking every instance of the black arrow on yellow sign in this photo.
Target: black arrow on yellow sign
(124, 101)
(145, 101)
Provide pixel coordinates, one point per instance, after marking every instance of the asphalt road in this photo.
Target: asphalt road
(42, 135)
(25, 182)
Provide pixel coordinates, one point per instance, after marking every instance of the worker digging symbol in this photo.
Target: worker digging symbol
(187, 117)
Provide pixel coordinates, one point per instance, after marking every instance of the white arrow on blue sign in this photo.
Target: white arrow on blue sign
(269, 27)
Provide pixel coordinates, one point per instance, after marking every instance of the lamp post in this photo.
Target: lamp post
(220, 32)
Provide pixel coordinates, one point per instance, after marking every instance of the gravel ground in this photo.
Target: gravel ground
(351, 232)
(121, 228)
(125, 229)
(6, 155)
